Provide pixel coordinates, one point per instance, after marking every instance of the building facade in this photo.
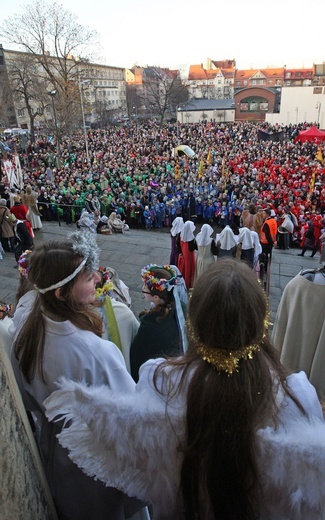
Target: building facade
(215, 80)
(93, 92)
(209, 110)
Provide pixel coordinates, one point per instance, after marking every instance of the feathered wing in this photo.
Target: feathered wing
(121, 440)
(292, 469)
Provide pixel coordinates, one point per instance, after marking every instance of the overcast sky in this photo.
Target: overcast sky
(171, 33)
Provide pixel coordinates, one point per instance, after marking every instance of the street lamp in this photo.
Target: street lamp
(52, 93)
(85, 82)
(180, 112)
(318, 106)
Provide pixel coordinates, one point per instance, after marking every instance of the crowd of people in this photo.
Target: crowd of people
(219, 429)
(134, 172)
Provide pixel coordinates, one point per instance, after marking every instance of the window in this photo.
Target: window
(21, 112)
(317, 90)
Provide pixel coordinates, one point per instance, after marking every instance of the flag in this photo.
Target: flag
(319, 156)
(176, 170)
(209, 157)
(19, 174)
(223, 167)
(185, 164)
(312, 181)
(201, 166)
(13, 173)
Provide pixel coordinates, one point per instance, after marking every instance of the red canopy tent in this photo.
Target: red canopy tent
(312, 134)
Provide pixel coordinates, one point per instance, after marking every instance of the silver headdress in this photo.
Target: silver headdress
(83, 244)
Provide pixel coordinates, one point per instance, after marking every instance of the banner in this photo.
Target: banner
(12, 171)
(176, 171)
(266, 136)
(209, 157)
(319, 156)
(201, 166)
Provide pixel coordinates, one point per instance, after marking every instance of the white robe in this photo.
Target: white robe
(131, 441)
(81, 356)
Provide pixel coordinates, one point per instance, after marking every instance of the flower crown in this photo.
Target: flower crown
(5, 310)
(151, 280)
(108, 286)
(23, 266)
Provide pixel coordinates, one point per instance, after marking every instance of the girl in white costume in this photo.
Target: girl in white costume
(221, 432)
(61, 337)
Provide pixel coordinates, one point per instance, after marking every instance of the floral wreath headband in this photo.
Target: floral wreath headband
(83, 244)
(5, 310)
(23, 266)
(149, 277)
(107, 285)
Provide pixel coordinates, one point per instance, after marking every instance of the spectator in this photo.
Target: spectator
(175, 232)
(64, 277)
(226, 243)
(224, 425)
(162, 328)
(7, 222)
(186, 257)
(268, 235)
(30, 200)
(207, 249)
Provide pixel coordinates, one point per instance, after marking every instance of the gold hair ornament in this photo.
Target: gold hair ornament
(224, 360)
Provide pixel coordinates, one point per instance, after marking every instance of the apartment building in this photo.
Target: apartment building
(89, 91)
(214, 80)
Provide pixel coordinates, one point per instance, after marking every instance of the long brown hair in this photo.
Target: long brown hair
(50, 263)
(219, 474)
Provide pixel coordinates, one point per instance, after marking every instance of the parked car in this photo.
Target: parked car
(13, 132)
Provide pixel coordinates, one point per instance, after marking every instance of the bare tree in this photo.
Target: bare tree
(104, 113)
(59, 45)
(29, 89)
(134, 99)
(163, 90)
(7, 113)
